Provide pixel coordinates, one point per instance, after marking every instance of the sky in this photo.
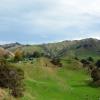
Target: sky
(43, 21)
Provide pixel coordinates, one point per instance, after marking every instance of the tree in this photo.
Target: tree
(18, 55)
(54, 54)
(85, 62)
(98, 64)
(90, 59)
(36, 54)
(76, 58)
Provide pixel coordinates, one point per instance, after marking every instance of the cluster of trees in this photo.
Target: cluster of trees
(94, 68)
(35, 54)
(11, 77)
(20, 55)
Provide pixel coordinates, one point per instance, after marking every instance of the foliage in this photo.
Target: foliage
(18, 55)
(76, 58)
(11, 77)
(90, 59)
(54, 54)
(85, 62)
(98, 64)
(35, 54)
(95, 74)
(56, 62)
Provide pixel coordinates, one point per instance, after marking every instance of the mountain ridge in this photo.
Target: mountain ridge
(83, 47)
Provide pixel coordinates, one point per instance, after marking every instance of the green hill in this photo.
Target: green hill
(44, 81)
(79, 48)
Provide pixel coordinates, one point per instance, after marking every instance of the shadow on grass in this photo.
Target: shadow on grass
(93, 84)
(79, 85)
(86, 83)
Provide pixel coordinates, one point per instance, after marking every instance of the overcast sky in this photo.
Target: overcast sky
(41, 21)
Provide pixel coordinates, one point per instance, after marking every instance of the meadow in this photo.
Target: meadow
(70, 82)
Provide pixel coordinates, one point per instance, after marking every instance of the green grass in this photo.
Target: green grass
(67, 83)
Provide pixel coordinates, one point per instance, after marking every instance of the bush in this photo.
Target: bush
(56, 62)
(90, 59)
(85, 62)
(18, 55)
(76, 58)
(11, 77)
(36, 54)
(95, 74)
(98, 64)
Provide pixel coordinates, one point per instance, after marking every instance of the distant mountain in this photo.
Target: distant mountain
(7, 46)
(84, 47)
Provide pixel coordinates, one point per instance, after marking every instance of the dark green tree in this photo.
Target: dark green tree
(85, 62)
(98, 64)
(90, 59)
(36, 54)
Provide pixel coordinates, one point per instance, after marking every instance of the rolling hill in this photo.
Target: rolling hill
(79, 48)
(71, 82)
(46, 81)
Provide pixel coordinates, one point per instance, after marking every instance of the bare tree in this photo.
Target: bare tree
(54, 54)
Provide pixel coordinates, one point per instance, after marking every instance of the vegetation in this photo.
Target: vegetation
(85, 62)
(98, 64)
(70, 82)
(95, 71)
(54, 54)
(95, 74)
(18, 55)
(44, 80)
(11, 77)
(90, 59)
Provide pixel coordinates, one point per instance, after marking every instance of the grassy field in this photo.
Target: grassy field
(52, 83)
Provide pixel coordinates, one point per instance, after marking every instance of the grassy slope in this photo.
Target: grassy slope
(52, 83)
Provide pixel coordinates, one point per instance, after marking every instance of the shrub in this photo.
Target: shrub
(98, 64)
(90, 59)
(11, 77)
(76, 58)
(56, 62)
(95, 74)
(18, 55)
(85, 62)
(36, 54)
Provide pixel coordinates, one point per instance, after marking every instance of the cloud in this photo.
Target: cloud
(41, 21)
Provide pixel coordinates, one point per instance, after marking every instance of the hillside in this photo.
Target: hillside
(52, 83)
(85, 47)
(5, 53)
(80, 48)
(46, 81)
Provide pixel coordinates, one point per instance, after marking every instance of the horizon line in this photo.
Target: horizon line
(39, 43)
